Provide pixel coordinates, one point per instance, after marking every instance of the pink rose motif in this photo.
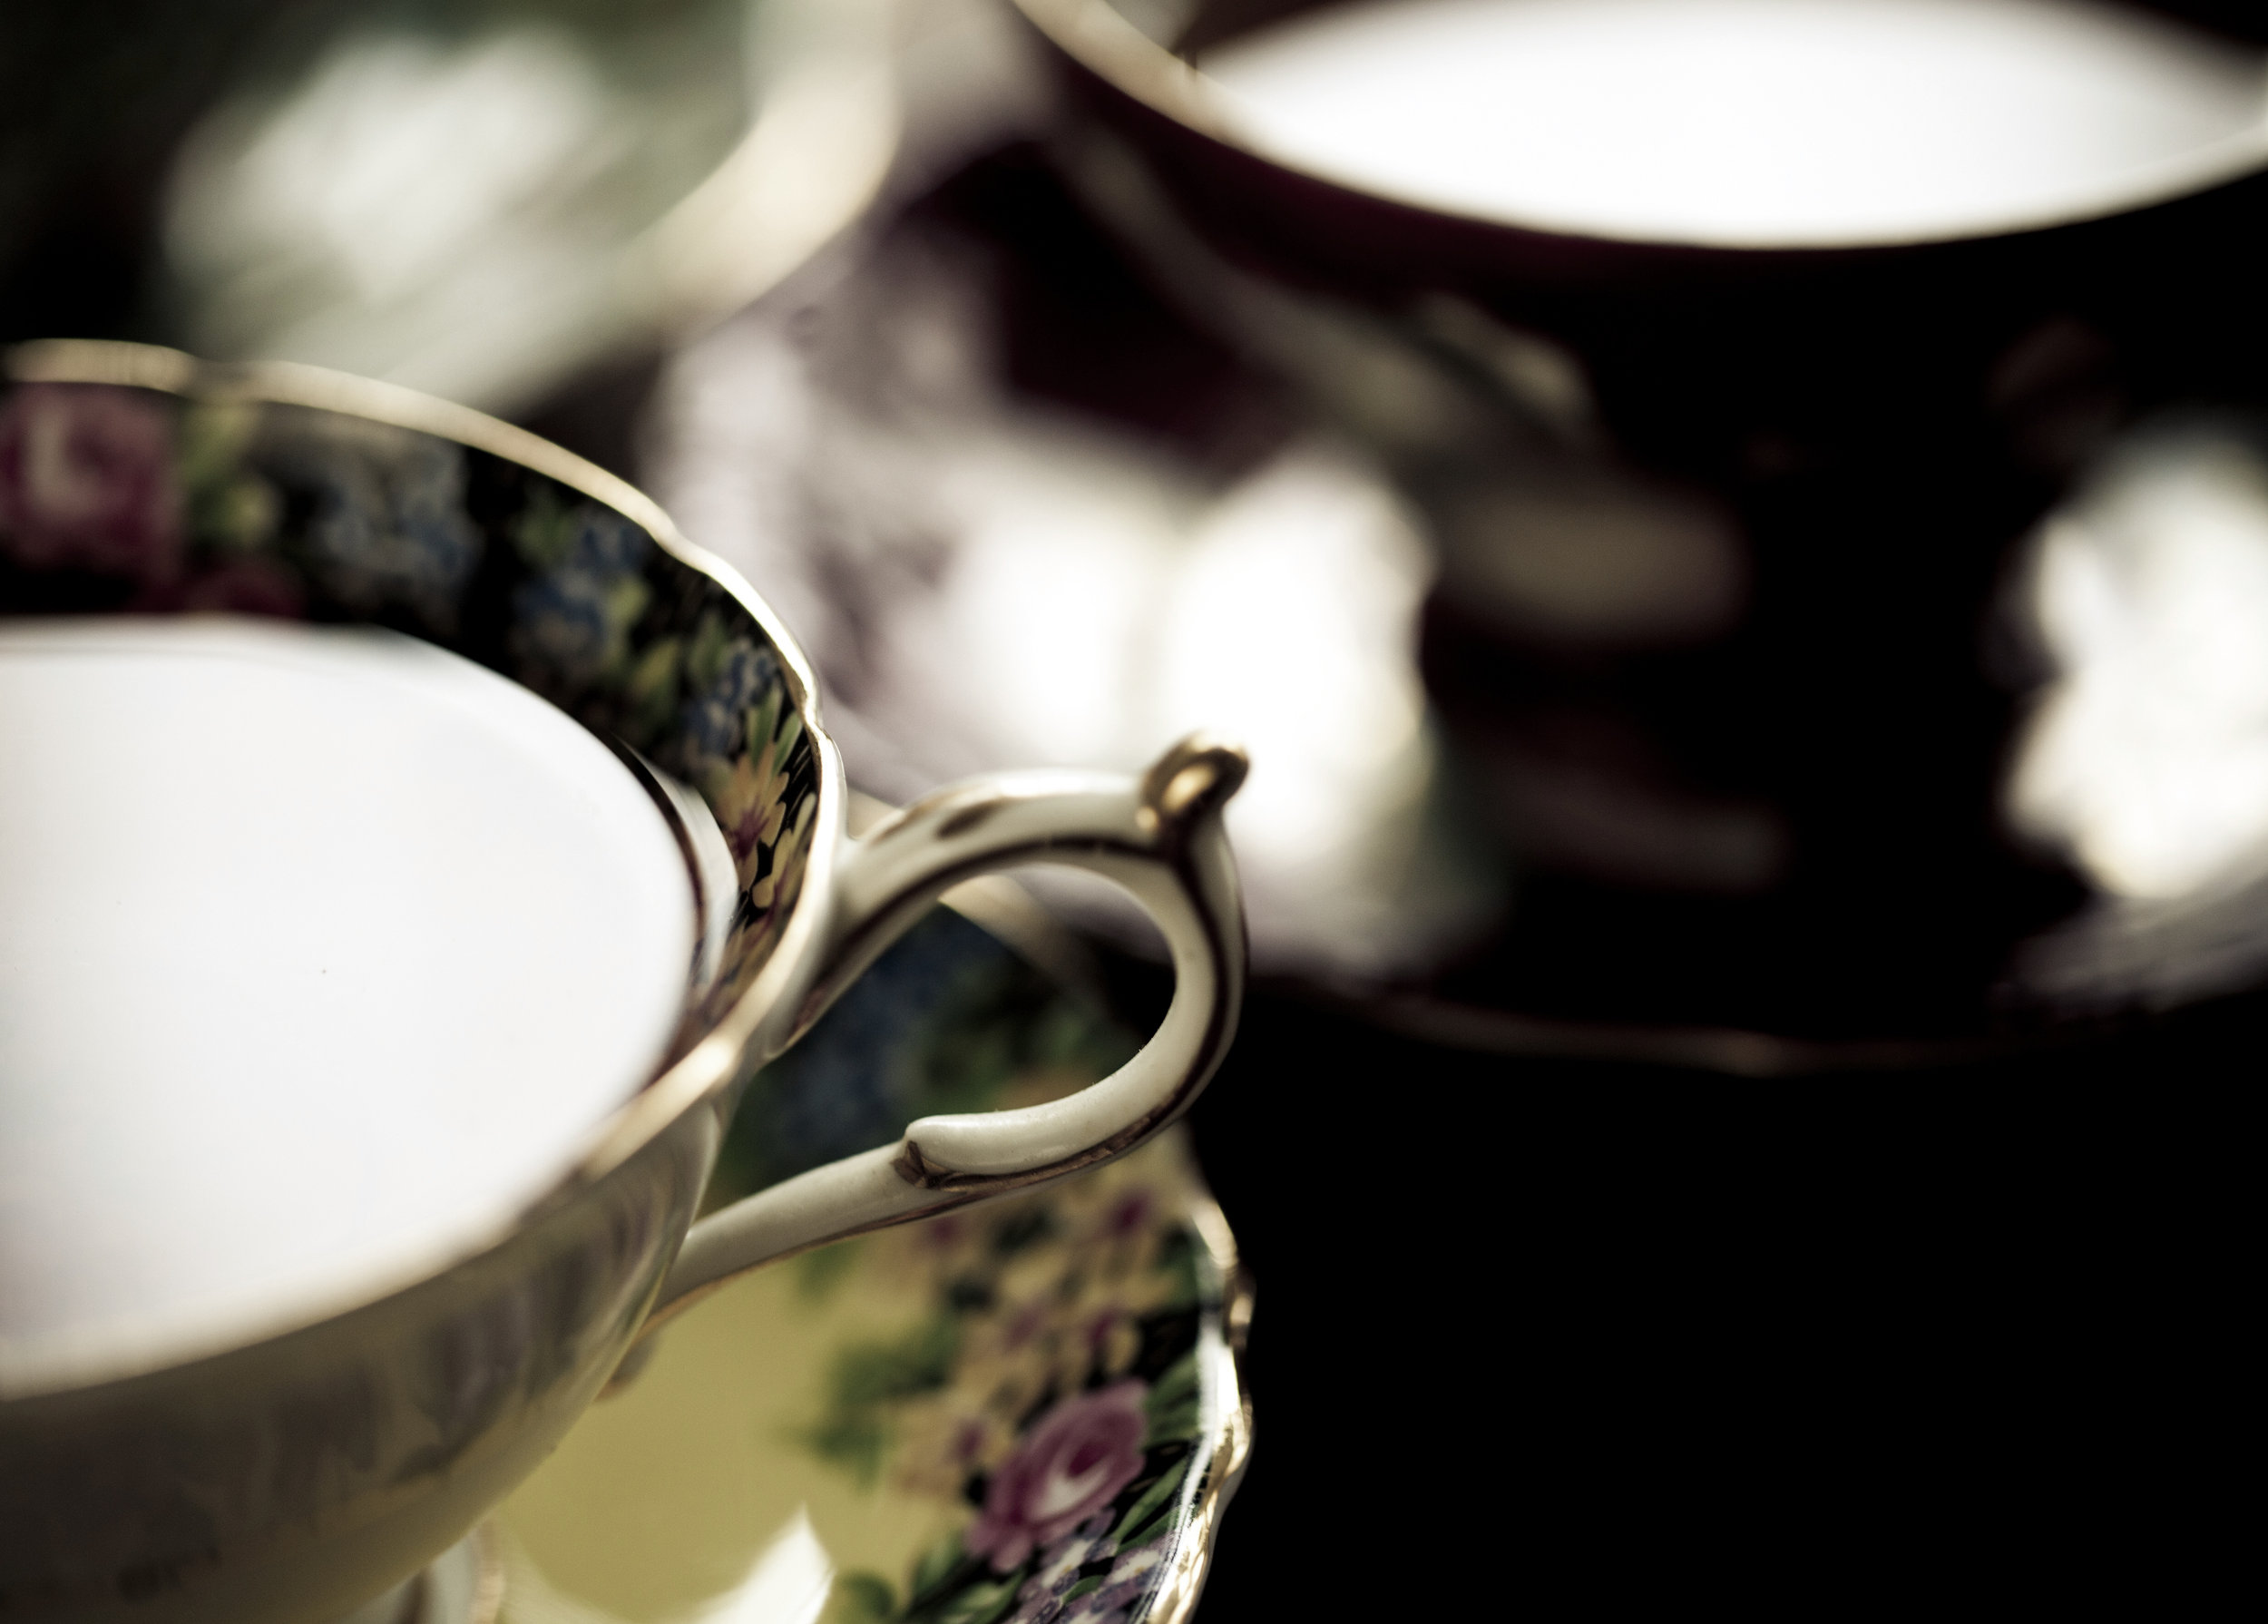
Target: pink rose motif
(1073, 1463)
(86, 482)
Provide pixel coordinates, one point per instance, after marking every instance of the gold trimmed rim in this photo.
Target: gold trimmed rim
(295, 383)
(1098, 37)
(708, 1067)
(1229, 1448)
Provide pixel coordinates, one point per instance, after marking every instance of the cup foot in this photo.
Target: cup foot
(463, 1585)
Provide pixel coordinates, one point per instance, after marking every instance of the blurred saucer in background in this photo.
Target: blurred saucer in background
(483, 201)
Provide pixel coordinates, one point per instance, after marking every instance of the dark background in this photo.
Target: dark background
(1534, 1331)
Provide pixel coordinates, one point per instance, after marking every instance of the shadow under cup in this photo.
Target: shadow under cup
(1754, 617)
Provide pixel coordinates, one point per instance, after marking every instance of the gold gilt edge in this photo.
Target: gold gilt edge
(1230, 1444)
(720, 1058)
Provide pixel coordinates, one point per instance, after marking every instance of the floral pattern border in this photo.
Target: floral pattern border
(1050, 1393)
(1053, 1391)
(1052, 1396)
(118, 500)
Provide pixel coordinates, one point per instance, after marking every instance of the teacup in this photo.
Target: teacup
(295, 1465)
(1738, 493)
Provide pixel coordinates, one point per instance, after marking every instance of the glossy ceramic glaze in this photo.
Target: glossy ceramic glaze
(290, 1468)
(403, 933)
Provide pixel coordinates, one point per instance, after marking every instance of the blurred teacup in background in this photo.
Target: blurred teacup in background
(1838, 432)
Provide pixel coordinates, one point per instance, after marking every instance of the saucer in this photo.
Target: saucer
(493, 204)
(1028, 1413)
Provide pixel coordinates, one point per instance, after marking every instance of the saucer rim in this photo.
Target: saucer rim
(1176, 1597)
(1222, 1447)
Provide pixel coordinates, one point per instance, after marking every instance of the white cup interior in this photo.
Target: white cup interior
(1749, 123)
(323, 949)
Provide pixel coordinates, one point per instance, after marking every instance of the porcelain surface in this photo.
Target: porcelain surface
(1027, 1413)
(125, 500)
(379, 866)
(295, 1468)
(389, 1426)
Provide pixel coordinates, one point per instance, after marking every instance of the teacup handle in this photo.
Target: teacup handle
(1160, 837)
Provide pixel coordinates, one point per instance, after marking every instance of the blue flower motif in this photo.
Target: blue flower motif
(606, 542)
(390, 526)
(712, 730)
(572, 619)
(716, 718)
(748, 674)
(562, 620)
(850, 1084)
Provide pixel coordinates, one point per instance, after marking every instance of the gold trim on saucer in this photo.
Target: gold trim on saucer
(1176, 1598)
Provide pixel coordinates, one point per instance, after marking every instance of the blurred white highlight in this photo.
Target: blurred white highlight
(1088, 623)
(1749, 122)
(2148, 757)
(983, 583)
(1290, 623)
(398, 149)
(787, 1584)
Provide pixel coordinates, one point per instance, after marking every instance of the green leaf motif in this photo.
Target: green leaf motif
(626, 599)
(857, 1443)
(228, 507)
(790, 730)
(937, 1567)
(1177, 1255)
(1173, 1403)
(869, 1376)
(544, 532)
(862, 1597)
(980, 1604)
(762, 720)
(818, 1273)
(707, 656)
(650, 690)
(1157, 1500)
